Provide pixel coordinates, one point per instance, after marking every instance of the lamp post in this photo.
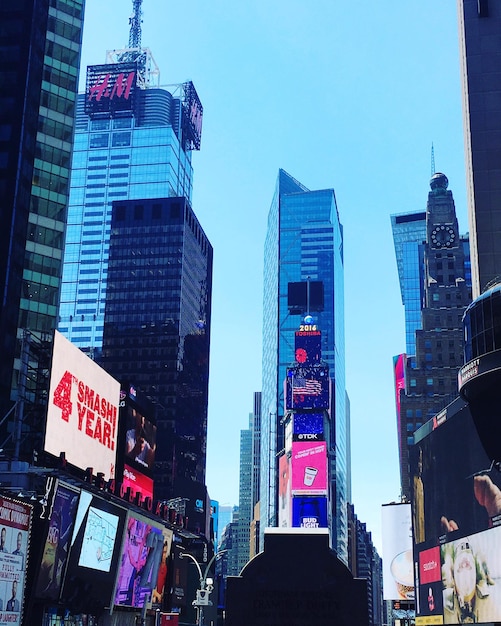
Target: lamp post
(206, 586)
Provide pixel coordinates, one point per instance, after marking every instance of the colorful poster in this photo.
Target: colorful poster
(59, 532)
(309, 468)
(15, 528)
(143, 562)
(398, 566)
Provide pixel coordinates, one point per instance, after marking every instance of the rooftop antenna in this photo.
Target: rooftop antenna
(135, 22)
(432, 159)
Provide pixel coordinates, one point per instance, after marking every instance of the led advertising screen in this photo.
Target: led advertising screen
(398, 567)
(140, 440)
(307, 388)
(143, 563)
(110, 88)
(63, 508)
(82, 411)
(307, 346)
(94, 553)
(309, 467)
(137, 482)
(457, 522)
(309, 512)
(308, 427)
(15, 526)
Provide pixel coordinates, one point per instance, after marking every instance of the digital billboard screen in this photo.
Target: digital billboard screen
(308, 346)
(15, 527)
(94, 553)
(309, 467)
(307, 388)
(457, 522)
(140, 439)
(143, 562)
(309, 512)
(308, 426)
(398, 567)
(284, 491)
(82, 412)
(110, 88)
(63, 509)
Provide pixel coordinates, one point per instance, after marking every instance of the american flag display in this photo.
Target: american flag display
(305, 386)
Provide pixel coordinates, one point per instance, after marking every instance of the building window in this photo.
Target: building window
(429, 382)
(413, 382)
(99, 140)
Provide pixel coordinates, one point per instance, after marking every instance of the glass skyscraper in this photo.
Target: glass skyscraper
(304, 241)
(41, 44)
(136, 152)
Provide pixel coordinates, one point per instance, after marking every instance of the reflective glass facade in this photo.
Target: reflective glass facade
(303, 241)
(157, 328)
(39, 65)
(133, 155)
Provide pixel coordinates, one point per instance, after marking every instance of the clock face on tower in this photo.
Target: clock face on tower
(442, 236)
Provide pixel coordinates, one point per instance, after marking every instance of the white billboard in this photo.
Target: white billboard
(82, 413)
(398, 565)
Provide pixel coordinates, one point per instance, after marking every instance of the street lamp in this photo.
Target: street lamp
(206, 586)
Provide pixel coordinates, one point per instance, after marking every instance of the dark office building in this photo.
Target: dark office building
(157, 329)
(480, 43)
(428, 379)
(40, 43)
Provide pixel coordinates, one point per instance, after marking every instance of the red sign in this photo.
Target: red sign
(429, 566)
(139, 483)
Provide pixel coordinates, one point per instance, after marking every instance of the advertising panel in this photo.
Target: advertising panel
(143, 562)
(399, 374)
(57, 542)
(457, 514)
(110, 88)
(309, 512)
(307, 387)
(82, 411)
(137, 482)
(140, 440)
(307, 345)
(308, 427)
(309, 468)
(94, 554)
(398, 566)
(15, 526)
(284, 492)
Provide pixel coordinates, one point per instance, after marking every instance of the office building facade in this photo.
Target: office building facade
(304, 243)
(41, 45)
(480, 54)
(157, 329)
(130, 143)
(426, 380)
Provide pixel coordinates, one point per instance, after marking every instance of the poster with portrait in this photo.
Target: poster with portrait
(15, 527)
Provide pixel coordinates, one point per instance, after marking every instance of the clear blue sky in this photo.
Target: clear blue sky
(342, 95)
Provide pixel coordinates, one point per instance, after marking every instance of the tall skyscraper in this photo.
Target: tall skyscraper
(304, 243)
(133, 141)
(41, 43)
(436, 274)
(157, 330)
(480, 45)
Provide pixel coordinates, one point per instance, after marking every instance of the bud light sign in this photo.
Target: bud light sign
(309, 512)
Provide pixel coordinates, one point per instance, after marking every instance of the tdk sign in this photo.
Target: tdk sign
(308, 436)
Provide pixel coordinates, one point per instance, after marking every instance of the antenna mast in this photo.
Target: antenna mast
(432, 159)
(135, 22)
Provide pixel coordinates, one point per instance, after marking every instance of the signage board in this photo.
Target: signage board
(309, 467)
(398, 567)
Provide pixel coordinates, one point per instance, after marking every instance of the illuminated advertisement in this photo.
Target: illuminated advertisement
(143, 563)
(308, 427)
(457, 520)
(110, 88)
(309, 468)
(137, 482)
(140, 440)
(94, 553)
(398, 566)
(15, 528)
(57, 542)
(307, 388)
(307, 345)
(193, 112)
(284, 491)
(82, 411)
(309, 512)
(399, 373)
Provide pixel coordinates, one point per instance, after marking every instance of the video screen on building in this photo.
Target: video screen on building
(309, 512)
(15, 528)
(457, 522)
(63, 507)
(307, 388)
(140, 439)
(398, 574)
(144, 562)
(284, 491)
(94, 553)
(308, 345)
(308, 426)
(137, 483)
(110, 88)
(309, 467)
(82, 411)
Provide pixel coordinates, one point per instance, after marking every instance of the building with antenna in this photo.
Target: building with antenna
(133, 140)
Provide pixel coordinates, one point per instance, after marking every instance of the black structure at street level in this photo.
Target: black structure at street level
(297, 581)
(480, 377)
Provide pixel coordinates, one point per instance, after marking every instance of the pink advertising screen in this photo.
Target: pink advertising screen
(309, 467)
